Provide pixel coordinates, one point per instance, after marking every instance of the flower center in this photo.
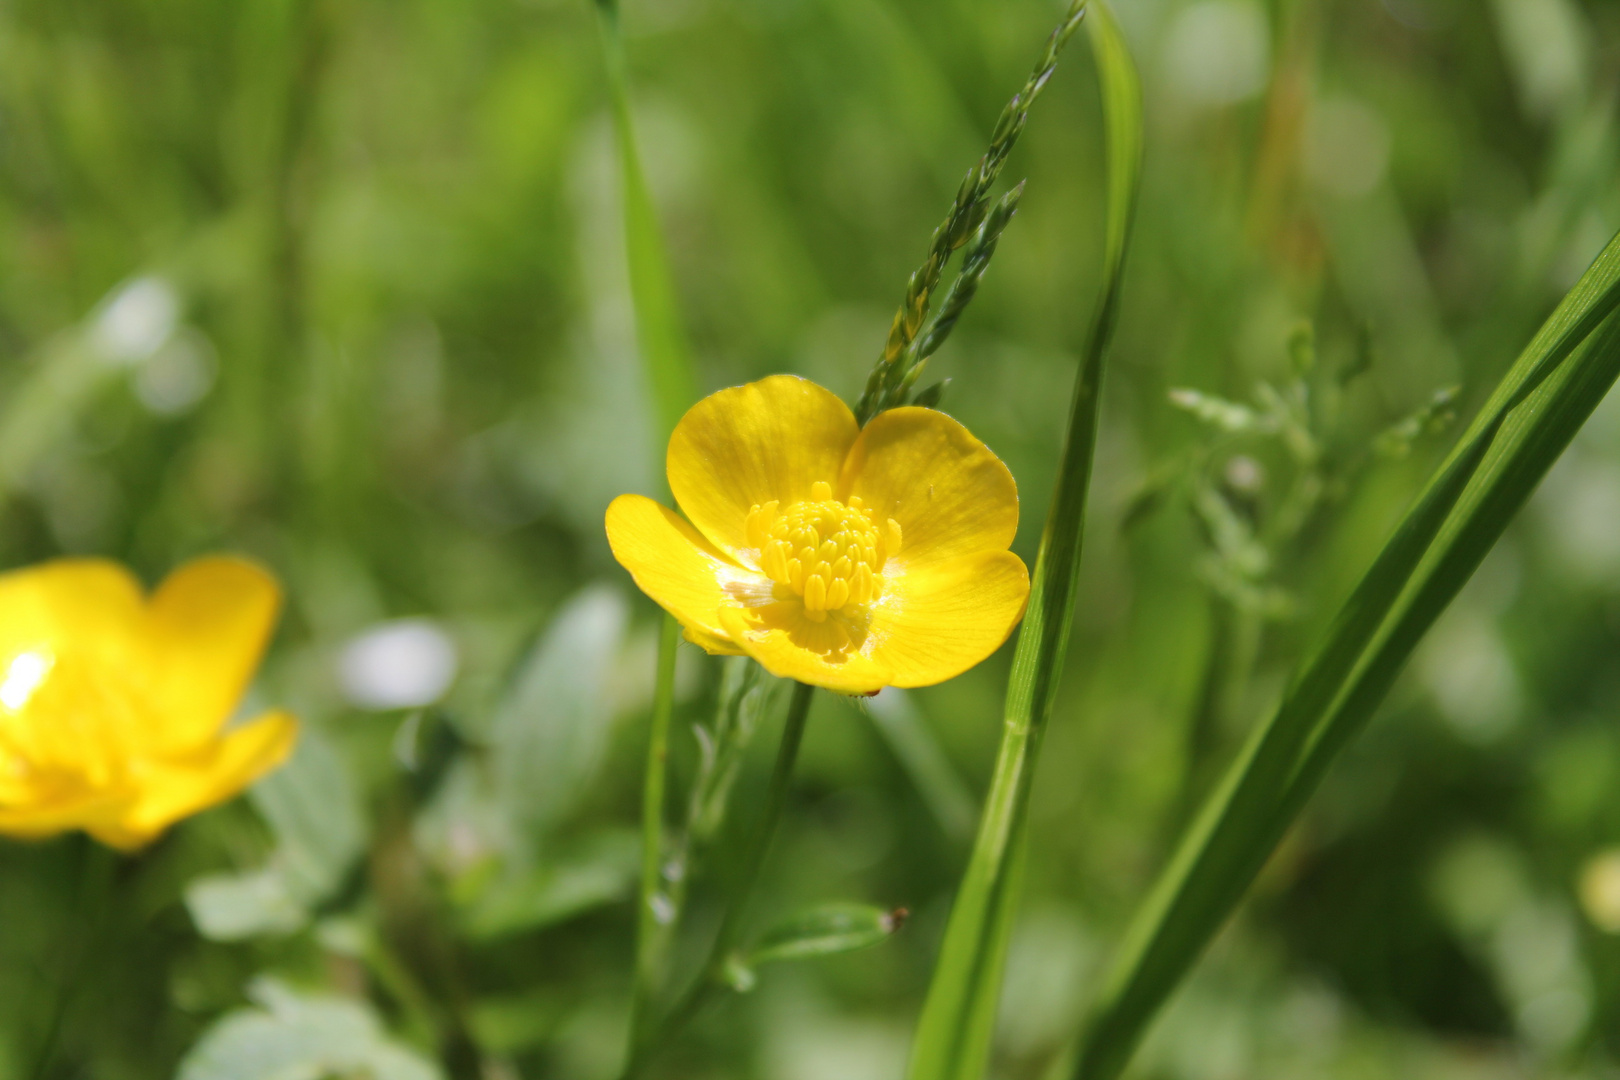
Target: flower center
(827, 553)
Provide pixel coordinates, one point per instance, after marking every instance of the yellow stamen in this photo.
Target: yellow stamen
(826, 552)
(757, 526)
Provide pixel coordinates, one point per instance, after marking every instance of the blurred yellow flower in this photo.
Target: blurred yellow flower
(114, 705)
(843, 557)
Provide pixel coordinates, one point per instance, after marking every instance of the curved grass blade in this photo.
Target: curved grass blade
(1529, 419)
(665, 354)
(659, 330)
(954, 1035)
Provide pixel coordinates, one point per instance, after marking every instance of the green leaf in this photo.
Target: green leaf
(293, 1036)
(600, 871)
(954, 1035)
(821, 931)
(233, 907)
(1532, 416)
(314, 811)
(551, 727)
(825, 931)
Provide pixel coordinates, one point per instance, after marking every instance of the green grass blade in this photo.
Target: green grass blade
(954, 1035)
(659, 329)
(666, 357)
(652, 905)
(1529, 419)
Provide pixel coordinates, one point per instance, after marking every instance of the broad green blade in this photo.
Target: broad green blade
(958, 1022)
(1526, 424)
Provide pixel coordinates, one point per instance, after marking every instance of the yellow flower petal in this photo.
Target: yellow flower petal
(171, 789)
(745, 446)
(949, 494)
(791, 646)
(709, 643)
(64, 810)
(208, 625)
(88, 607)
(934, 622)
(672, 563)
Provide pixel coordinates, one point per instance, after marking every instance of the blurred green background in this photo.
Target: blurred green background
(340, 284)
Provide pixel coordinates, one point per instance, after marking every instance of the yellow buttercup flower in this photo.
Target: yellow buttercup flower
(114, 704)
(839, 556)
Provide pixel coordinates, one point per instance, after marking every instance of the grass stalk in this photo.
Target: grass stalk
(896, 369)
(712, 975)
(954, 1035)
(660, 332)
(652, 905)
(666, 357)
(89, 930)
(1524, 427)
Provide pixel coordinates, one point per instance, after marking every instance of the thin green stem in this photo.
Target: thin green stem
(711, 976)
(88, 924)
(661, 335)
(652, 905)
(706, 809)
(422, 1015)
(666, 361)
(775, 802)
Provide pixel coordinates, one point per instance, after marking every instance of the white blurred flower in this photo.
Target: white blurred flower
(1217, 52)
(135, 320)
(397, 665)
(1465, 665)
(1578, 506)
(1537, 960)
(1548, 44)
(1346, 147)
(179, 375)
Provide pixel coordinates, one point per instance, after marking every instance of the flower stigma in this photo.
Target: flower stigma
(826, 553)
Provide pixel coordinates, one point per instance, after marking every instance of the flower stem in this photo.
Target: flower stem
(87, 933)
(650, 938)
(712, 975)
